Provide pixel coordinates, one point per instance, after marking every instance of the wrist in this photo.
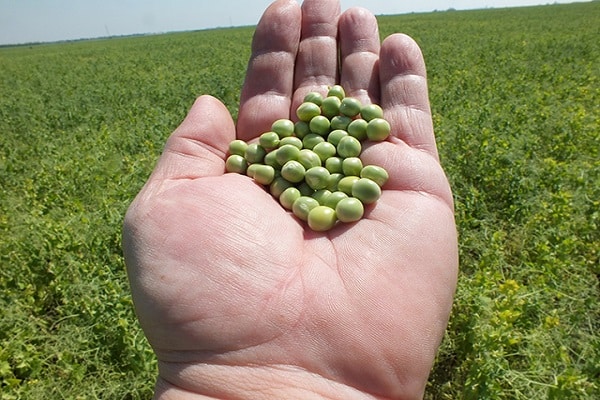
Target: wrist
(208, 381)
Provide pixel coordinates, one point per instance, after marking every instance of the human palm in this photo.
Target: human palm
(237, 296)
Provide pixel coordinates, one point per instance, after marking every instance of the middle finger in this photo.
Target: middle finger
(359, 48)
(317, 60)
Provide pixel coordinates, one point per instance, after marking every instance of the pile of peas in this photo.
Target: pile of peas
(313, 166)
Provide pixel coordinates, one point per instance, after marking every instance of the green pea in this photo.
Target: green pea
(335, 136)
(302, 206)
(293, 171)
(271, 159)
(333, 181)
(305, 189)
(307, 111)
(349, 146)
(301, 129)
(288, 197)
(340, 122)
(331, 106)
(317, 177)
(286, 153)
(236, 163)
(352, 166)
(349, 209)
(350, 107)
(324, 150)
(337, 91)
(237, 147)
(346, 183)
(311, 140)
(371, 111)
(269, 140)
(314, 97)
(377, 174)
(309, 159)
(366, 190)
(251, 170)
(334, 165)
(277, 187)
(378, 129)
(321, 218)
(293, 140)
(319, 125)
(334, 198)
(312, 166)
(283, 127)
(358, 129)
(321, 195)
(264, 174)
(255, 153)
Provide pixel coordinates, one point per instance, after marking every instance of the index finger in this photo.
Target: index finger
(267, 91)
(404, 92)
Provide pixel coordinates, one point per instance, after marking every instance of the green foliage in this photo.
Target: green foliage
(82, 125)
(514, 95)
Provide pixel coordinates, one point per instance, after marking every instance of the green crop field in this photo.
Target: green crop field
(516, 101)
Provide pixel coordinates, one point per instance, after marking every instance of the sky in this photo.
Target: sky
(26, 21)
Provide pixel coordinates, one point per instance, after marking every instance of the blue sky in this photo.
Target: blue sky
(23, 21)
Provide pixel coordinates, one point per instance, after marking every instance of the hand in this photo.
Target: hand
(241, 300)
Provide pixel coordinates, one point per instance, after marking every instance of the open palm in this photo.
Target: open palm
(238, 298)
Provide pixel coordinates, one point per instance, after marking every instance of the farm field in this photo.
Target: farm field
(515, 95)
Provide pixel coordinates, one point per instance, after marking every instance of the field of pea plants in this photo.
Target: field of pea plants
(516, 101)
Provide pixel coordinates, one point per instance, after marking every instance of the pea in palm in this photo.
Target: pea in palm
(235, 295)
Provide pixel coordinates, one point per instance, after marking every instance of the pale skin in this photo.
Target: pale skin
(238, 298)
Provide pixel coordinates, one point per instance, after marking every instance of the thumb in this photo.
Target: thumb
(197, 148)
